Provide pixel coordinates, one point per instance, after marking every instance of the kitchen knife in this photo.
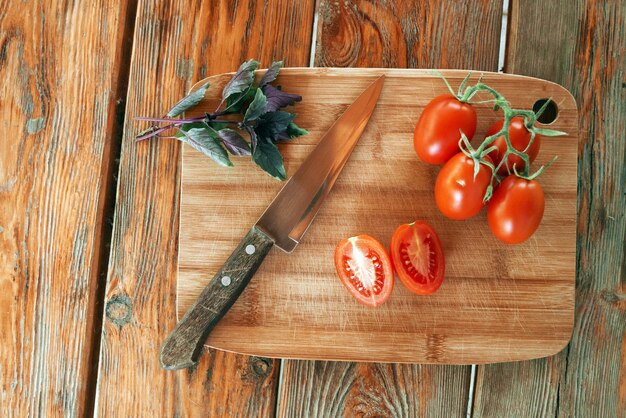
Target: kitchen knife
(283, 224)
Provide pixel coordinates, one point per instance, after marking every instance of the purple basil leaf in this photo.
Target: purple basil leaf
(271, 73)
(257, 107)
(242, 79)
(185, 127)
(267, 156)
(217, 126)
(234, 142)
(292, 131)
(271, 124)
(277, 98)
(282, 137)
(201, 139)
(236, 102)
(253, 137)
(188, 101)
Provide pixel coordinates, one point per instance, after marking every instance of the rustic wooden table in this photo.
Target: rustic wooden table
(88, 219)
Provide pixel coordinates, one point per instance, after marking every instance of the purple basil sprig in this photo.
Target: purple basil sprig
(262, 120)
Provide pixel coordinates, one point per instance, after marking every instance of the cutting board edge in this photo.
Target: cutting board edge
(408, 72)
(574, 133)
(561, 345)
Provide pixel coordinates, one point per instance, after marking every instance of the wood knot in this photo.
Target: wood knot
(119, 310)
(341, 35)
(614, 299)
(261, 367)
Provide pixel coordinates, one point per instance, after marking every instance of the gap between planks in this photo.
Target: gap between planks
(111, 170)
(314, 34)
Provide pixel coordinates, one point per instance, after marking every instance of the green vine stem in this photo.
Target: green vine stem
(465, 95)
(536, 173)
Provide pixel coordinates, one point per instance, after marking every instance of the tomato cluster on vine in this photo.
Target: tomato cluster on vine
(495, 174)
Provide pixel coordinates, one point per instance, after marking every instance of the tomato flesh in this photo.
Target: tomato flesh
(365, 269)
(438, 129)
(520, 138)
(515, 209)
(418, 258)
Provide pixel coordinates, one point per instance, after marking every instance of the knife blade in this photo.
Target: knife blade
(283, 224)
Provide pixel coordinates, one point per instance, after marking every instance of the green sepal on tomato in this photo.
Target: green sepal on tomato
(437, 132)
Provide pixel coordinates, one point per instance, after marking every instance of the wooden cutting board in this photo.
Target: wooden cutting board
(497, 303)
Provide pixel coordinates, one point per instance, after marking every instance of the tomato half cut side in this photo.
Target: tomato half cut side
(417, 256)
(364, 268)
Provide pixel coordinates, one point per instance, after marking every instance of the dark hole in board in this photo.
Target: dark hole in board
(551, 112)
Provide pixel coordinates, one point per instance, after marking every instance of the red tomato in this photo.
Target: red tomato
(417, 257)
(515, 209)
(365, 269)
(437, 132)
(457, 194)
(519, 137)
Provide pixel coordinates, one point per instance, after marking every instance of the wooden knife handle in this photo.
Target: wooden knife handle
(183, 346)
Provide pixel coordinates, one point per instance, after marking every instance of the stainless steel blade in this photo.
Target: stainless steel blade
(289, 215)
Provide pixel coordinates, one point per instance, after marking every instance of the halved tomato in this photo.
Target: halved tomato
(417, 257)
(365, 269)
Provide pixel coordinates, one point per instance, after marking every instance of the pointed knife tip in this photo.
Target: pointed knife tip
(379, 81)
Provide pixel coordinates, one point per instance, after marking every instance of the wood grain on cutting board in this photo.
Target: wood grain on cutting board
(498, 302)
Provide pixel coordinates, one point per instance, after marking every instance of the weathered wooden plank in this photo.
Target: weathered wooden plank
(175, 44)
(584, 49)
(323, 389)
(392, 34)
(228, 385)
(60, 83)
(413, 34)
(521, 389)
